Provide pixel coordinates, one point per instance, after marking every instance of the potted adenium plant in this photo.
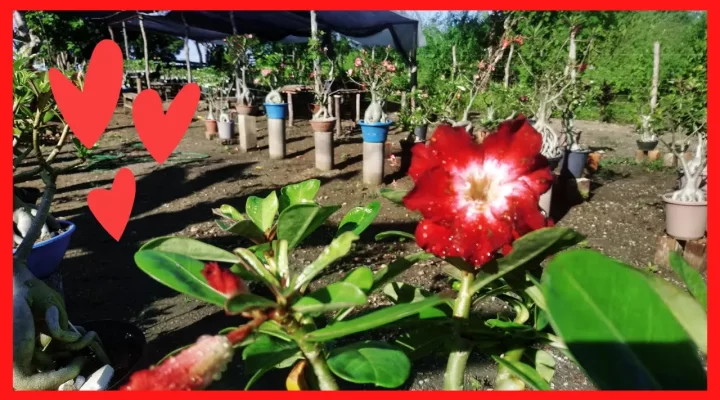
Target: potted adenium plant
(686, 208)
(648, 140)
(323, 76)
(239, 47)
(49, 352)
(271, 73)
(376, 73)
(225, 122)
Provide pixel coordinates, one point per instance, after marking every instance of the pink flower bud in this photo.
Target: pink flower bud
(192, 369)
(358, 61)
(350, 72)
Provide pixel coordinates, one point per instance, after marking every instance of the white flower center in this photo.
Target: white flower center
(480, 187)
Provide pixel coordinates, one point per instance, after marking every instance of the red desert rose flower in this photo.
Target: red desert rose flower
(194, 368)
(223, 280)
(476, 199)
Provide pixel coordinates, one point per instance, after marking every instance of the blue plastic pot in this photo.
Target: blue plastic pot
(45, 257)
(375, 132)
(574, 162)
(276, 111)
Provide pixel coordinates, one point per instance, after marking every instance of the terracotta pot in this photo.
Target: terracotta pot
(210, 126)
(245, 110)
(322, 125)
(593, 162)
(685, 220)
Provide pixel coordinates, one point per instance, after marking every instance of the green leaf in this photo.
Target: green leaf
(240, 303)
(281, 259)
(529, 249)
(692, 279)
(244, 228)
(401, 234)
(616, 325)
(506, 325)
(190, 248)
(267, 353)
(231, 212)
(687, 311)
(424, 341)
(337, 249)
(335, 296)
(525, 372)
(372, 320)
(395, 196)
(358, 219)
(262, 211)
(361, 277)
(303, 192)
(300, 220)
(399, 293)
(180, 273)
(249, 258)
(373, 362)
(397, 267)
(545, 365)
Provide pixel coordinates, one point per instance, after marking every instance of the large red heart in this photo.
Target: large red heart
(112, 207)
(161, 132)
(88, 112)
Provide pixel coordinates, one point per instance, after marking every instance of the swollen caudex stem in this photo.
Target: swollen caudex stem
(274, 97)
(23, 217)
(646, 133)
(375, 113)
(694, 173)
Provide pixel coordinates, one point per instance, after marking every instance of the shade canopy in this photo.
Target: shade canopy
(369, 28)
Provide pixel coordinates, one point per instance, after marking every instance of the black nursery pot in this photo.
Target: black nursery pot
(124, 343)
(647, 146)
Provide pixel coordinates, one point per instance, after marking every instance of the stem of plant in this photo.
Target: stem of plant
(314, 354)
(455, 371)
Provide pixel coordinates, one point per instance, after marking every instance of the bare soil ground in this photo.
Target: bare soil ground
(623, 218)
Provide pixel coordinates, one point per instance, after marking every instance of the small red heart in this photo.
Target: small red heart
(89, 111)
(112, 207)
(161, 132)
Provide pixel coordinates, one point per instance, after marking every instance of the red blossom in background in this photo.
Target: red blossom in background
(582, 68)
(476, 199)
(223, 280)
(518, 39)
(194, 368)
(505, 43)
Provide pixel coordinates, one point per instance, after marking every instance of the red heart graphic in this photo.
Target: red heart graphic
(88, 112)
(112, 207)
(161, 132)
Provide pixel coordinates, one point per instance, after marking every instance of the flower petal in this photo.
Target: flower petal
(517, 144)
(422, 161)
(454, 146)
(432, 196)
(435, 239)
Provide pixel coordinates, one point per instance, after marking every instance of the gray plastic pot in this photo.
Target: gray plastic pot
(546, 201)
(225, 130)
(421, 132)
(685, 220)
(575, 161)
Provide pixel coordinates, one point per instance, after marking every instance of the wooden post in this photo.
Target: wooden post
(138, 83)
(655, 78)
(200, 54)
(187, 48)
(506, 82)
(338, 119)
(358, 100)
(127, 48)
(290, 109)
(145, 49)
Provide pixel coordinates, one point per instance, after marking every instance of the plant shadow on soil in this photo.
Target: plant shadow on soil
(90, 278)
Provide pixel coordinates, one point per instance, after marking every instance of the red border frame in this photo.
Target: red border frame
(6, 175)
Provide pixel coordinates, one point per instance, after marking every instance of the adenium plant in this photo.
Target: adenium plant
(238, 47)
(273, 72)
(284, 328)
(376, 73)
